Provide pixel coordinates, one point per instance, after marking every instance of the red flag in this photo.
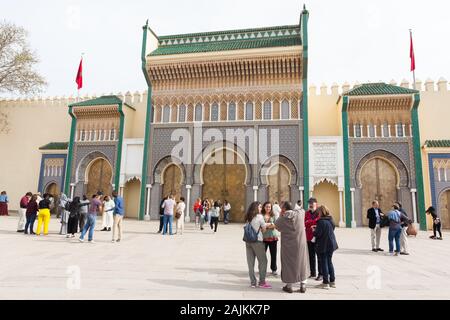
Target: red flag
(411, 55)
(79, 79)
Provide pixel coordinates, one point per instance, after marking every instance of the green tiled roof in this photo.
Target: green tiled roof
(104, 100)
(55, 146)
(281, 36)
(373, 89)
(437, 143)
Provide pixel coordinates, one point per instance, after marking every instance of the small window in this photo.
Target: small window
(83, 135)
(267, 112)
(215, 112)
(182, 113)
(386, 130)
(232, 111)
(112, 134)
(358, 130)
(198, 112)
(372, 131)
(399, 130)
(249, 111)
(284, 110)
(166, 114)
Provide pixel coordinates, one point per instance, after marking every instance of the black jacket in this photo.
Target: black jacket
(324, 233)
(373, 217)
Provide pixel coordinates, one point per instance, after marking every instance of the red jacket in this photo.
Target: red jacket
(310, 220)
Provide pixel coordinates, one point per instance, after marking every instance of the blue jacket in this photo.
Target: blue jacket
(118, 209)
(325, 238)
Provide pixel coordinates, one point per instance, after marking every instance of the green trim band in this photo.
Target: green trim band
(418, 163)
(347, 194)
(304, 27)
(70, 153)
(119, 148)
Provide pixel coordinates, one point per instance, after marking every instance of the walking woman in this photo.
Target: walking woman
(325, 246)
(44, 215)
(270, 237)
(226, 212)
(215, 213)
(436, 223)
(74, 214)
(198, 209)
(31, 213)
(4, 204)
(256, 249)
(205, 209)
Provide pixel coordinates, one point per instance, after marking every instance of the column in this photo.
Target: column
(121, 190)
(368, 131)
(375, 130)
(404, 130)
(362, 130)
(410, 130)
(187, 217)
(413, 198)
(301, 188)
(72, 189)
(255, 193)
(352, 191)
(147, 210)
(389, 130)
(341, 209)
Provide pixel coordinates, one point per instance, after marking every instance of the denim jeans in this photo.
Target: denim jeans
(226, 215)
(327, 266)
(168, 221)
(394, 234)
(30, 222)
(90, 224)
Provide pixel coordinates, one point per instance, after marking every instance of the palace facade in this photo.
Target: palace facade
(230, 115)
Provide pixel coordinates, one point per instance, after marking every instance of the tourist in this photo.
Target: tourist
(64, 203)
(294, 248)
(44, 214)
(119, 213)
(214, 213)
(276, 210)
(270, 236)
(395, 230)
(31, 213)
(226, 212)
(74, 214)
(436, 223)
(205, 210)
(403, 236)
(161, 214)
(23, 211)
(4, 204)
(179, 215)
(311, 218)
(108, 210)
(95, 207)
(84, 204)
(375, 215)
(198, 209)
(256, 249)
(325, 246)
(169, 207)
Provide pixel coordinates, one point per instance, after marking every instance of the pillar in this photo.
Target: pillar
(341, 209)
(72, 189)
(187, 217)
(301, 188)
(147, 211)
(352, 191)
(121, 190)
(255, 193)
(413, 198)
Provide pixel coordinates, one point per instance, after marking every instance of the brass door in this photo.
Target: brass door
(226, 181)
(54, 190)
(279, 184)
(379, 181)
(444, 209)
(99, 178)
(172, 182)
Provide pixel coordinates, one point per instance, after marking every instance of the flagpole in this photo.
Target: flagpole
(414, 70)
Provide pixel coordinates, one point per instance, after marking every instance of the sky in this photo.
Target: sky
(349, 40)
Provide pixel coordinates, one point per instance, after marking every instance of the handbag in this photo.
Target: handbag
(411, 231)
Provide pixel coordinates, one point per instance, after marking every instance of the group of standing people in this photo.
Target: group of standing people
(168, 209)
(208, 211)
(304, 236)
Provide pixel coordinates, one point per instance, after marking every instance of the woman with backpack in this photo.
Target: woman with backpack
(74, 214)
(254, 245)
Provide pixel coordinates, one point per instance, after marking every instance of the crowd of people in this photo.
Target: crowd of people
(76, 215)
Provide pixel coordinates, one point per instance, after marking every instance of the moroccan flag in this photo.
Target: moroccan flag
(79, 79)
(411, 55)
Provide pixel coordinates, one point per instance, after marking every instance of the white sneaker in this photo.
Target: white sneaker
(81, 240)
(113, 240)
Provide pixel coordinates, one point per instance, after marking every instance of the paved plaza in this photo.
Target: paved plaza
(201, 265)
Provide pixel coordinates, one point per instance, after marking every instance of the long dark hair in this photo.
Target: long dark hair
(263, 211)
(252, 211)
(75, 204)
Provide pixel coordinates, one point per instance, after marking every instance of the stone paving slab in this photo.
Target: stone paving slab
(201, 265)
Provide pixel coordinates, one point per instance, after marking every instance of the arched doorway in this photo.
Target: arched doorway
(224, 176)
(444, 209)
(327, 193)
(279, 181)
(379, 182)
(55, 191)
(172, 179)
(99, 177)
(131, 195)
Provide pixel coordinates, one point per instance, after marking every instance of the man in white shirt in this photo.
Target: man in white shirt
(169, 207)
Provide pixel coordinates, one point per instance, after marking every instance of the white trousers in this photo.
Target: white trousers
(22, 219)
(404, 240)
(180, 224)
(108, 220)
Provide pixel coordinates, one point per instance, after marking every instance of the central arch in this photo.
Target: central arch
(279, 180)
(99, 174)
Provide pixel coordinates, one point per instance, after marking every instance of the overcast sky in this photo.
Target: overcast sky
(350, 40)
